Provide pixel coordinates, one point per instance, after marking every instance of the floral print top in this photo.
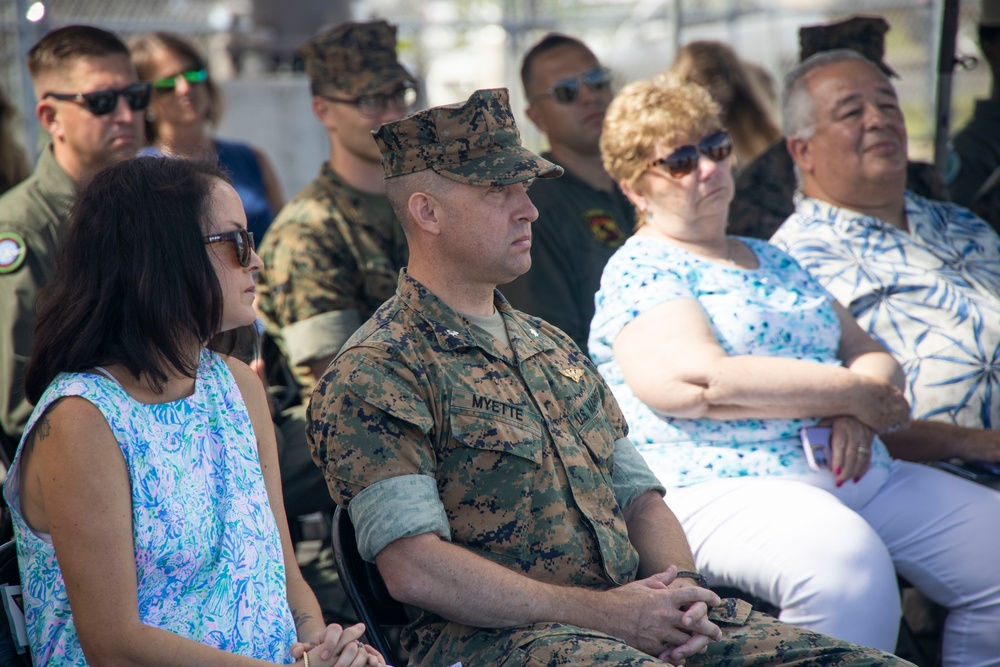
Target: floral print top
(208, 554)
(776, 310)
(931, 296)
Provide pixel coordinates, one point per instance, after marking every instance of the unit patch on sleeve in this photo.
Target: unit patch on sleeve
(12, 252)
(604, 227)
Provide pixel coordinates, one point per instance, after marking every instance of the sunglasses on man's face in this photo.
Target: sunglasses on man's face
(716, 147)
(103, 102)
(241, 238)
(567, 90)
(168, 84)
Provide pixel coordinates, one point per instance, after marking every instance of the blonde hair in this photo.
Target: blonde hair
(143, 49)
(749, 115)
(662, 110)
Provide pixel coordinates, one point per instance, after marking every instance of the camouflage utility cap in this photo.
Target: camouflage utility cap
(864, 34)
(474, 142)
(357, 58)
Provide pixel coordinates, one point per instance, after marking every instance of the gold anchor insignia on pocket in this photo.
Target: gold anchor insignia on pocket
(573, 374)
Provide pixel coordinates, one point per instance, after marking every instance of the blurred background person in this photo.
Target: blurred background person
(335, 251)
(331, 257)
(90, 103)
(746, 111)
(764, 188)
(145, 492)
(14, 166)
(186, 106)
(720, 351)
(976, 184)
(583, 217)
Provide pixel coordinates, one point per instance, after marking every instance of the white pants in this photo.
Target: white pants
(828, 557)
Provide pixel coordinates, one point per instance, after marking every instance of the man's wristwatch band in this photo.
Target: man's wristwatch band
(694, 576)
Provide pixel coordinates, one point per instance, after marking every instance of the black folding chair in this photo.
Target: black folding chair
(369, 596)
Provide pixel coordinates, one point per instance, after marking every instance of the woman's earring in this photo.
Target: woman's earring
(648, 214)
(150, 117)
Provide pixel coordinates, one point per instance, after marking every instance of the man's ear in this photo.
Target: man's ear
(537, 119)
(323, 110)
(425, 212)
(801, 151)
(48, 118)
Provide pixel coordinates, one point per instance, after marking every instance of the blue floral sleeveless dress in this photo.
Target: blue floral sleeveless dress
(207, 550)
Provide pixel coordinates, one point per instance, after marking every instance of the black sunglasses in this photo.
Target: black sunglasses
(168, 84)
(716, 147)
(567, 90)
(241, 238)
(103, 102)
(373, 105)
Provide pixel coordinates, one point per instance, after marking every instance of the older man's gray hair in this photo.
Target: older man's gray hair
(797, 110)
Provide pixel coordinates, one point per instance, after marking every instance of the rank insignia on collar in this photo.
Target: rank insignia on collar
(573, 374)
(12, 252)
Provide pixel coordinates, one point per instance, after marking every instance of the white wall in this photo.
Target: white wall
(274, 114)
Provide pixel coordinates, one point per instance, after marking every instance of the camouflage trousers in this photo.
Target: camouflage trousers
(761, 640)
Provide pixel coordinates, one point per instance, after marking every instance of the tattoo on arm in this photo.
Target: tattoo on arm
(42, 428)
(300, 618)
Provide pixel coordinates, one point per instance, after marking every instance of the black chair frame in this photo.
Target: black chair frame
(10, 575)
(365, 588)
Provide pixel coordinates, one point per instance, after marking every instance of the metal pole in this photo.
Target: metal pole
(945, 69)
(24, 40)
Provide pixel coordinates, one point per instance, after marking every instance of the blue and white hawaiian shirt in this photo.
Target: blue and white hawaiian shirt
(930, 295)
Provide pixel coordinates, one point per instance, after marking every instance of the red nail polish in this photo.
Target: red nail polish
(836, 471)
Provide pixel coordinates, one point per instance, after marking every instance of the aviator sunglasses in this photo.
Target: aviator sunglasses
(168, 84)
(241, 238)
(567, 90)
(716, 147)
(103, 102)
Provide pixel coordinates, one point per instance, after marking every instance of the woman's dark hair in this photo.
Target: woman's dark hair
(134, 283)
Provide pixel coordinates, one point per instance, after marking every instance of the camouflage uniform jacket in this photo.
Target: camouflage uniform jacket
(329, 261)
(518, 454)
(31, 215)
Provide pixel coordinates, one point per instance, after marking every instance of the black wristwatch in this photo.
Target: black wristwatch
(694, 576)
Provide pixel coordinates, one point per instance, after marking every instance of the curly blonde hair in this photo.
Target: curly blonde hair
(659, 111)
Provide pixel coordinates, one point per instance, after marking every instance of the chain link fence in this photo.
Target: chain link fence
(455, 46)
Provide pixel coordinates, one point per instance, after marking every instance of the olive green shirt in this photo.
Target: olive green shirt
(31, 215)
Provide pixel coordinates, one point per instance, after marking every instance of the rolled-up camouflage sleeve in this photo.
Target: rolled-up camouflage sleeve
(632, 477)
(367, 423)
(309, 273)
(395, 508)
